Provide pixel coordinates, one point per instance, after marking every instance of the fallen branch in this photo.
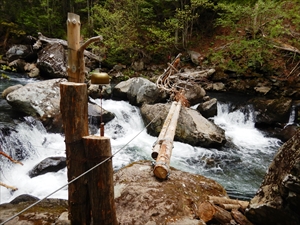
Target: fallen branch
(8, 187)
(10, 158)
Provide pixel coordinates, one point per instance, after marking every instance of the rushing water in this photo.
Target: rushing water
(239, 166)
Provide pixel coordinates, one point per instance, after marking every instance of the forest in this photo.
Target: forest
(237, 35)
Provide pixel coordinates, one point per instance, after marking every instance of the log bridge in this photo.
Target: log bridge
(162, 148)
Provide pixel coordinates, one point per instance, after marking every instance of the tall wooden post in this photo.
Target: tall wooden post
(100, 187)
(73, 107)
(91, 198)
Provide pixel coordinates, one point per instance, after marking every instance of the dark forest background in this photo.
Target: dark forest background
(239, 35)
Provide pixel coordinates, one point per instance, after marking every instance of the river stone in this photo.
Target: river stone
(37, 99)
(277, 202)
(209, 108)
(10, 89)
(139, 90)
(142, 199)
(50, 164)
(20, 52)
(271, 111)
(192, 127)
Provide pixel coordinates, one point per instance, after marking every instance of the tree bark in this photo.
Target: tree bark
(222, 200)
(73, 106)
(162, 167)
(100, 180)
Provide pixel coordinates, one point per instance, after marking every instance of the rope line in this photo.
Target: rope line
(76, 178)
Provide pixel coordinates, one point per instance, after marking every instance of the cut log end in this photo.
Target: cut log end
(161, 172)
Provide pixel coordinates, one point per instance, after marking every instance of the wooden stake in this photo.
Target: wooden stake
(162, 167)
(100, 180)
(73, 107)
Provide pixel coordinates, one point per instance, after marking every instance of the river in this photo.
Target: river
(239, 166)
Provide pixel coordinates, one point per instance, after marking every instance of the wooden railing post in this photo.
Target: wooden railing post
(100, 185)
(73, 107)
(91, 197)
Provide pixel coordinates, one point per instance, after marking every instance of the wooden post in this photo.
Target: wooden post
(100, 185)
(73, 33)
(163, 131)
(73, 107)
(162, 166)
(76, 65)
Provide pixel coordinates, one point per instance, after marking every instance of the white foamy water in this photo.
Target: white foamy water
(239, 166)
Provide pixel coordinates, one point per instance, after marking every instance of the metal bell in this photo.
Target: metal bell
(100, 78)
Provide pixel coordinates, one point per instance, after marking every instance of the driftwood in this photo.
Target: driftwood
(222, 212)
(14, 161)
(228, 203)
(10, 158)
(8, 187)
(42, 38)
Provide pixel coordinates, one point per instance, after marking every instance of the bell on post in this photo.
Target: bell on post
(100, 78)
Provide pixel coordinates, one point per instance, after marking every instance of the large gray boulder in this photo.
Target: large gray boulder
(277, 201)
(139, 90)
(37, 99)
(192, 127)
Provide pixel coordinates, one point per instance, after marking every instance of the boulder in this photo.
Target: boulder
(142, 199)
(271, 111)
(52, 61)
(50, 164)
(20, 52)
(195, 94)
(208, 108)
(277, 201)
(139, 90)
(10, 89)
(192, 127)
(195, 57)
(94, 115)
(38, 99)
(46, 212)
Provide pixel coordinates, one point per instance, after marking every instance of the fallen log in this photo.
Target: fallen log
(162, 166)
(42, 38)
(222, 215)
(163, 131)
(240, 218)
(206, 211)
(223, 200)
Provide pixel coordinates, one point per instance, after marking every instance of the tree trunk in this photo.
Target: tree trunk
(162, 167)
(100, 180)
(73, 106)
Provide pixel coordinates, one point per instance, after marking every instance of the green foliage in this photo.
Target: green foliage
(7, 68)
(4, 76)
(251, 29)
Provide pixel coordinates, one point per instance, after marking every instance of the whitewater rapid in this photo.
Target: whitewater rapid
(239, 166)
